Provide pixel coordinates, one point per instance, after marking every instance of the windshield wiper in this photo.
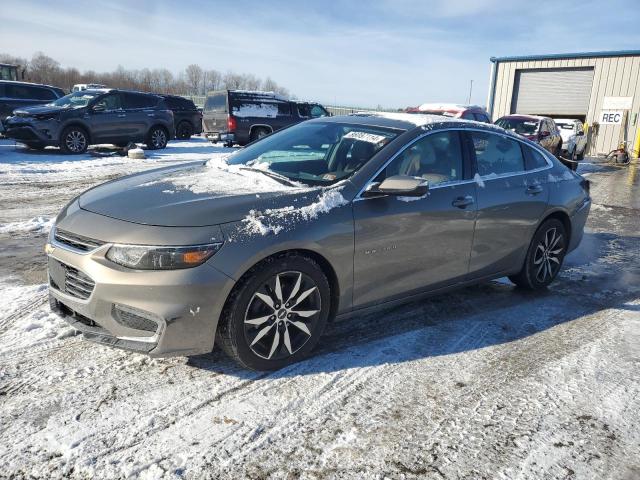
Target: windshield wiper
(269, 173)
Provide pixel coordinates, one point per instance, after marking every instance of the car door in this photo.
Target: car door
(107, 118)
(139, 110)
(405, 245)
(512, 195)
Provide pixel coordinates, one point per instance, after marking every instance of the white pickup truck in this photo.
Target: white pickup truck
(574, 140)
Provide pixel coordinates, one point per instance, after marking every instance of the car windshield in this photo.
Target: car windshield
(316, 153)
(565, 126)
(76, 99)
(519, 125)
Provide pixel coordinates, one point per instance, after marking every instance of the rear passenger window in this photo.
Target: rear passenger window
(284, 109)
(480, 117)
(21, 91)
(468, 116)
(534, 159)
(496, 154)
(135, 100)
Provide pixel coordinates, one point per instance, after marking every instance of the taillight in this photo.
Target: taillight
(231, 124)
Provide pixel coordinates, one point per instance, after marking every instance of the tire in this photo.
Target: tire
(258, 133)
(574, 159)
(544, 257)
(157, 138)
(74, 140)
(580, 156)
(184, 130)
(259, 327)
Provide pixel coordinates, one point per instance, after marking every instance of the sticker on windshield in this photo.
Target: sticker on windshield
(366, 137)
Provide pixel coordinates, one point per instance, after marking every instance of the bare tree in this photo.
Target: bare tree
(194, 78)
(232, 81)
(213, 81)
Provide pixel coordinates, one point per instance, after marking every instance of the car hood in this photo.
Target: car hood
(38, 110)
(191, 195)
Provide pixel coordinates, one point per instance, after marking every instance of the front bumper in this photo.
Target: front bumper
(578, 221)
(182, 306)
(29, 133)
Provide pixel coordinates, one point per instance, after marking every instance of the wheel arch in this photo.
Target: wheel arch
(563, 217)
(76, 123)
(259, 125)
(325, 265)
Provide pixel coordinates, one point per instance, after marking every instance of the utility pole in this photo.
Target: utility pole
(470, 90)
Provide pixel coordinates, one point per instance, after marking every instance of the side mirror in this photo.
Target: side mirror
(544, 134)
(399, 185)
(99, 107)
(580, 134)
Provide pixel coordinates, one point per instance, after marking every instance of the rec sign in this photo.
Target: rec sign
(611, 117)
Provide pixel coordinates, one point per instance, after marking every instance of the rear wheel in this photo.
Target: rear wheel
(74, 140)
(544, 257)
(276, 315)
(574, 159)
(258, 133)
(157, 138)
(184, 130)
(580, 155)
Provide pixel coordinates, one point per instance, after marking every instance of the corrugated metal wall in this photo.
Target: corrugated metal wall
(613, 77)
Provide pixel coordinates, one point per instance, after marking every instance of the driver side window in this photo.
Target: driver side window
(110, 102)
(437, 158)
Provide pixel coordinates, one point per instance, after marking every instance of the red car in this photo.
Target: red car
(466, 112)
(542, 130)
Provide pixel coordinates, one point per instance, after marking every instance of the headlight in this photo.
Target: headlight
(144, 257)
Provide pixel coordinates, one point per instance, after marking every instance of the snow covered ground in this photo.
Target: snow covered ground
(486, 382)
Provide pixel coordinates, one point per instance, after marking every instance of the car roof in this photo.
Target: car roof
(567, 120)
(109, 90)
(394, 120)
(525, 117)
(30, 84)
(448, 107)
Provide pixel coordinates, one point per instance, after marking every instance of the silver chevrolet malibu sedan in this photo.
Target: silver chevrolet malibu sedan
(256, 252)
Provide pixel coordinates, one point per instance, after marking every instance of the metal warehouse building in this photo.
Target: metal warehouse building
(600, 88)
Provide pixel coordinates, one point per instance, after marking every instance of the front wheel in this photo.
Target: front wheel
(74, 140)
(157, 138)
(276, 315)
(544, 257)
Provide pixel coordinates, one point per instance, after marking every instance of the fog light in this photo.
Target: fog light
(134, 318)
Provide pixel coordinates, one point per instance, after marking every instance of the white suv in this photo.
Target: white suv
(574, 140)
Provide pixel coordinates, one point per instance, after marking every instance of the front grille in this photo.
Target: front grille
(77, 284)
(77, 242)
(70, 280)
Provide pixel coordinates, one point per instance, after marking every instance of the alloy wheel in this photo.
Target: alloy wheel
(280, 316)
(548, 255)
(158, 138)
(75, 141)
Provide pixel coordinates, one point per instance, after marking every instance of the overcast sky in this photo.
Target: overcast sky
(389, 52)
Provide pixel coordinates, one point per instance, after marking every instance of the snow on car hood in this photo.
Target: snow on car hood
(198, 194)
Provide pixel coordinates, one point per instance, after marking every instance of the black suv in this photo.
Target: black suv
(186, 116)
(21, 94)
(240, 116)
(88, 117)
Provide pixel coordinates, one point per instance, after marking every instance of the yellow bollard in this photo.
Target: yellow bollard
(636, 145)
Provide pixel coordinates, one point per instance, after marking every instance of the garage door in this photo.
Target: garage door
(557, 91)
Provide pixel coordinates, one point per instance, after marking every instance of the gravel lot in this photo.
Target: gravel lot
(486, 382)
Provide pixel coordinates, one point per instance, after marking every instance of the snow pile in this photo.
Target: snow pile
(262, 110)
(217, 177)
(277, 219)
(35, 225)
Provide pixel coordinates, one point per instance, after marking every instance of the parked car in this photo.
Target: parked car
(324, 219)
(465, 112)
(187, 117)
(541, 130)
(241, 116)
(79, 87)
(21, 94)
(80, 119)
(574, 140)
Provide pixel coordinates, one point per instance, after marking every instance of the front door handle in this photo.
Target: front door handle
(534, 189)
(463, 202)
(121, 115)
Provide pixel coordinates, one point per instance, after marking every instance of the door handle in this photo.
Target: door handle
(534, 189)
(121, 115)
(151, 114)
(463, 202)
